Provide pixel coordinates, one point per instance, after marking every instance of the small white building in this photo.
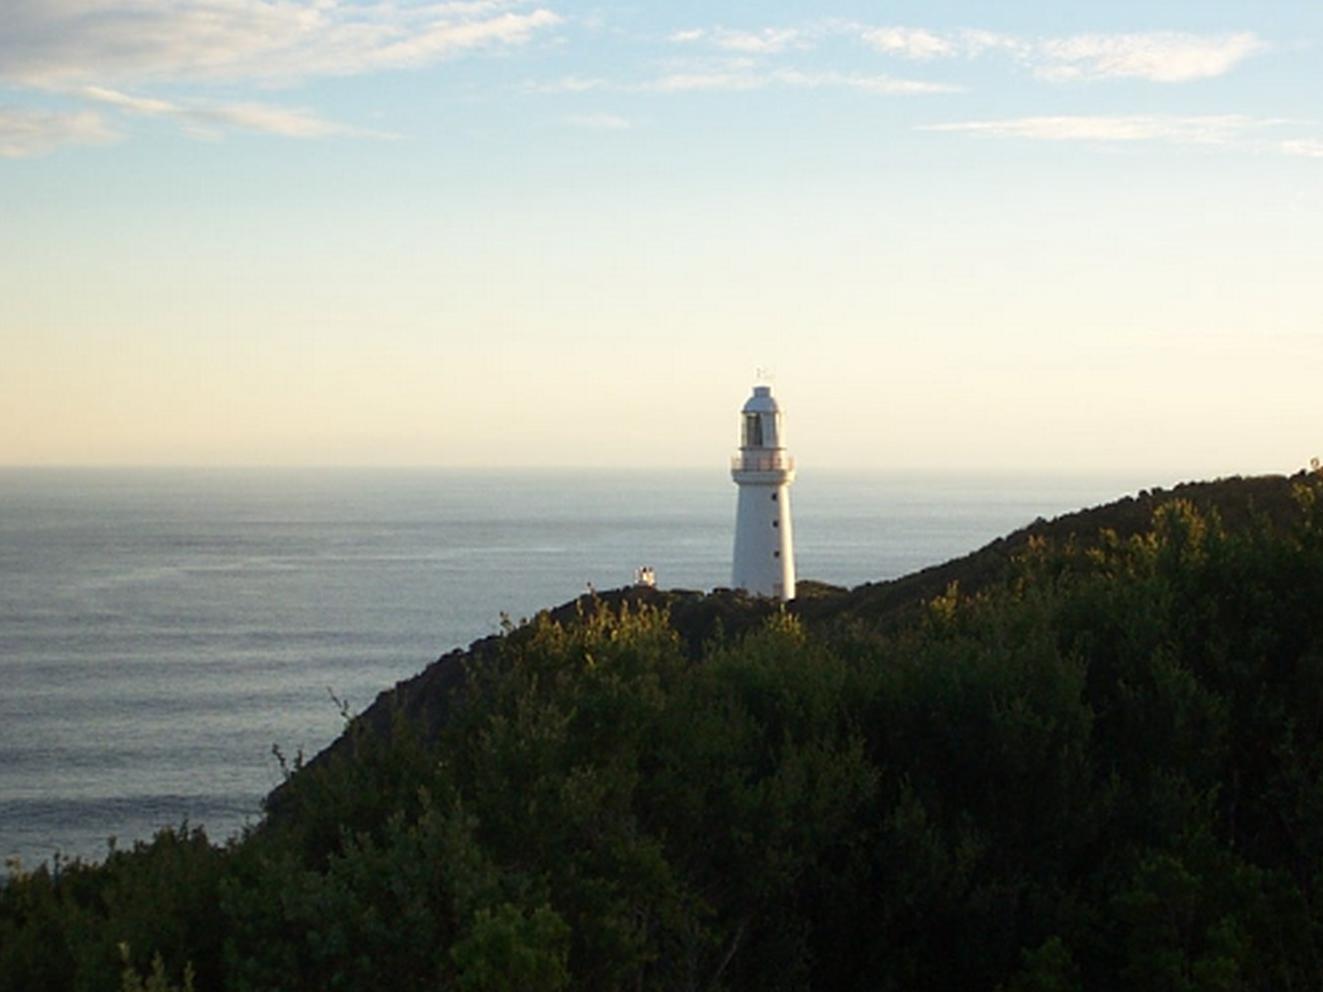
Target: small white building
(764, 561)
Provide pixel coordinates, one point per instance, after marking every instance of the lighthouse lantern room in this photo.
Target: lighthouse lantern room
(764, 561)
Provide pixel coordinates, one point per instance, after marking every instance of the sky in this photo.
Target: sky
(1075, 237)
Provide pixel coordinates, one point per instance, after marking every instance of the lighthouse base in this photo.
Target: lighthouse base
(764, 560)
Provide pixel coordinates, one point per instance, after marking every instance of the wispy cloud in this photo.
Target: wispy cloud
(888, 85)
(914, 43)
(27, 133)
(749, 79)
(677, 82)
(1162, 57)
(973, 42)
(59, 43)
(1306, 147)
(95, 49)
(761, 41)
(205, 120)
(598, 122)
(766, 41)
(568, 84)
(1156, 56)
(1198, 129)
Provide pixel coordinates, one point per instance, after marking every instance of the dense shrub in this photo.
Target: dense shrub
(1104, 771)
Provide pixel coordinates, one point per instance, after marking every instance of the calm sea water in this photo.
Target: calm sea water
(160, 630)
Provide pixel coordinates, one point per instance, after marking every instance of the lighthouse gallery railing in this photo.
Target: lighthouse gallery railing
(751, 462)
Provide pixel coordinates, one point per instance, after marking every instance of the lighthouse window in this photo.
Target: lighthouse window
(776, 523)
(776, 554)
(753, 430)
(773, 497)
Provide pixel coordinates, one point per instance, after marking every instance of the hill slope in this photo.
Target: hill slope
(1087, 756)
(723, 613)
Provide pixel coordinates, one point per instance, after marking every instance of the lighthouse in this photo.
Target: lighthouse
(764, 543)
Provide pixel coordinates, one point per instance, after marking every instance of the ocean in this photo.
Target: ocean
(162, 629)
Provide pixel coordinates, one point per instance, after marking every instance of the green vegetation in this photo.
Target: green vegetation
(1103, 769)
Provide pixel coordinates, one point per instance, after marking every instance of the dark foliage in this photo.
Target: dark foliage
(1098, 765)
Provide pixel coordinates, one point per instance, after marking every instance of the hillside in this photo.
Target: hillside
(1088, 756)
(699, 618)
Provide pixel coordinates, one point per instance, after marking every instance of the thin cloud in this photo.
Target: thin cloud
(727, 72)
(1156, 56)
(60, 43)
(1305, 147)
(887, 85)
(914, 43)
(764, 42)
(204, 120)
(148, 106)
(568, 84)
(744, 79)
(761, 41)
(598, 122)
(1161, 57)
(975, 42)
(289, 122)
(679, 82)
(28, 133)
(1212, 129)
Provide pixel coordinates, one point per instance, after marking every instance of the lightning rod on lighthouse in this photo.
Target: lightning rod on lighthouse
(764, 562)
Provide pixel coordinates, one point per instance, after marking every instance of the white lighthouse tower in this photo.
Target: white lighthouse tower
(764, 543)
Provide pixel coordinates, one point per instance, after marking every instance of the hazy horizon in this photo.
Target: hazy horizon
(499, 234)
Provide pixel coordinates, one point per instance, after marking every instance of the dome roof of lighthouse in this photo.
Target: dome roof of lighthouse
(761, 401)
